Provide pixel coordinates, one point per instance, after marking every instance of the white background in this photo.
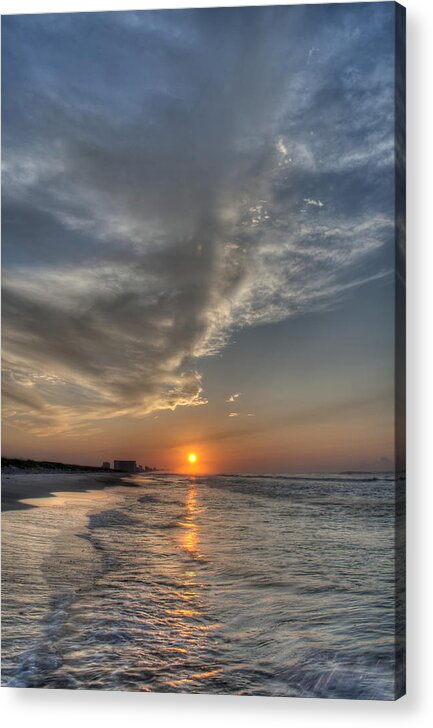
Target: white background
(46, 708)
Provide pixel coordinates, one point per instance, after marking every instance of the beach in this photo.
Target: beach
(21, 485)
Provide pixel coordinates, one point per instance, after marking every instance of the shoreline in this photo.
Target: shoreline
(19, 486)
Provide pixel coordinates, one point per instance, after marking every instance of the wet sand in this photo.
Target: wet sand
(18, 486)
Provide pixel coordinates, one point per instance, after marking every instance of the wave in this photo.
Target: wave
(308, 478)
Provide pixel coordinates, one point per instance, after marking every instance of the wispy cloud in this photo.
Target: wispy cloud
(314, 203)
(233, 397)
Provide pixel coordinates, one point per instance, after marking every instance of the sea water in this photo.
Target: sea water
(255, 585)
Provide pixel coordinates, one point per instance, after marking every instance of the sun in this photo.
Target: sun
(192, 457)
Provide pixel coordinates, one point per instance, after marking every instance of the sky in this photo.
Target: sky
(198, 237)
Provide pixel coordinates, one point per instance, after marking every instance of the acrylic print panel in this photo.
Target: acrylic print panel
(203, 343)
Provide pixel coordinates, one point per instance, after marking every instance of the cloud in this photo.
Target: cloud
(153, 166)
(312, 52)
(233, 397)
(314, 203)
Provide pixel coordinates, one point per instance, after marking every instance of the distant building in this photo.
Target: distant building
(144, 469)
(126, 466)
(106, 465)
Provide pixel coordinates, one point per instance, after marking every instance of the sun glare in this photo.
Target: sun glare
(192, 457)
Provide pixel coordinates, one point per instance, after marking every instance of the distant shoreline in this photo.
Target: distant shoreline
(46, 466)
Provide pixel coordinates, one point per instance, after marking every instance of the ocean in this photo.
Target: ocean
(275, 585)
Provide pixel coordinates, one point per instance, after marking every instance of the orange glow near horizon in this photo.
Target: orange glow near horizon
(192, 460)
(350, 439)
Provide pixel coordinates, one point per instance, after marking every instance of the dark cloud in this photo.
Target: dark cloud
(162, 179)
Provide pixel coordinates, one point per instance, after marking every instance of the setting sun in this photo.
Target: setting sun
(192, 457)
